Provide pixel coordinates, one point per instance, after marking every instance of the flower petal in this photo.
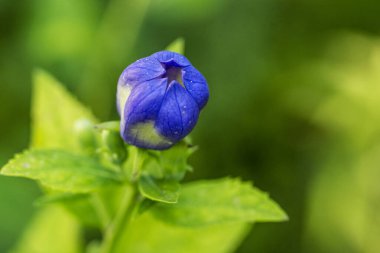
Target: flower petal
(178, 114)
(142, 70)
(145, 101)
(167, 56)
(122, 95)
(140, 112)
(196, 85)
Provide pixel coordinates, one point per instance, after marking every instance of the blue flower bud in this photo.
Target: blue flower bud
(159, 99)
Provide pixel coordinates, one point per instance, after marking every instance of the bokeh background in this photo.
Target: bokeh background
(294, 107)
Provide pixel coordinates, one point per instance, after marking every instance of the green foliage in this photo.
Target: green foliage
(166, 238)
(132, 197)
(113, 146)
(218, 202)
(350, 174)
(172, 163)
(177, 46)
(51, 230)
(169, 164)
(162, 190)
(294, 104)
(79, 205)
(182, 11)
(61, 170)
(55, 114)
(110, 52)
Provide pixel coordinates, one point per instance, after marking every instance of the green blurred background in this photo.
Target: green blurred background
(294, 106)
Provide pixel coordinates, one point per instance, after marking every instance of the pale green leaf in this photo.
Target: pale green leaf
(146, 234)
(220, 201)
(55, 114)
(171, 163)
(61, 170)
(162, 190)
(177, 46)
(51, 230)
(80, 205)
(56, 197)
(93, 210)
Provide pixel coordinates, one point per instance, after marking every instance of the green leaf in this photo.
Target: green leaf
(177, 46)
(162, 190)
(145, 205)
(61, 170)
(134, 163)
(52, 198)
(171, 163)
(220, 201)
(51, 230)
(149, 235)
(80, 205)
(55, 114)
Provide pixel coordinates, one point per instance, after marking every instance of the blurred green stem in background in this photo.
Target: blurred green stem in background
(101, 210)
(108, 56)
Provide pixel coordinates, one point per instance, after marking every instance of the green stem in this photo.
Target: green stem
(122, 218)
(135, 166)
(125, 212)
(101, 210)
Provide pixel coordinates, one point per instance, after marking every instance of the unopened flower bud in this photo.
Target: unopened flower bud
(159, 99)
(84, 130)
(114, 145)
